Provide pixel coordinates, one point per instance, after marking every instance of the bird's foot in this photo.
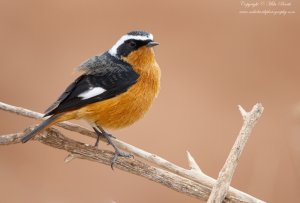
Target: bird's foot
(119, 153)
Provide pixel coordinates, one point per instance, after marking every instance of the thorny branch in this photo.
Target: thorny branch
(192, 181)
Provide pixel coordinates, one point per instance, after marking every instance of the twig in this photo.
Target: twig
(31, 114)
(221, 187)
(10, 139)
(205, 181)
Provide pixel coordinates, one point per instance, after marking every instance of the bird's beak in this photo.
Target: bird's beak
(152, 44)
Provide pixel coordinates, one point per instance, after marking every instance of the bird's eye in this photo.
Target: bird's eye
(131, 43)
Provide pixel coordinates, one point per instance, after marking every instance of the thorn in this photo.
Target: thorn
(70, 157)
(243, 112)
(192, 163)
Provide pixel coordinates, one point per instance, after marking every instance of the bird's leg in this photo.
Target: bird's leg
(98, 136)
(101, 132)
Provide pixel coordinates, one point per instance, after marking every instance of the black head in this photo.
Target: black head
(131, 42)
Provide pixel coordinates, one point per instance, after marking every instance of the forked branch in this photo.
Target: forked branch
(221, 187)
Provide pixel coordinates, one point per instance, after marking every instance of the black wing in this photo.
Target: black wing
(114, 83)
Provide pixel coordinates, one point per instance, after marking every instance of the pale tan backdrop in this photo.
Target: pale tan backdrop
(212, 59)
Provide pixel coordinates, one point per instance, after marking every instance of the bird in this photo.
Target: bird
(115, 89)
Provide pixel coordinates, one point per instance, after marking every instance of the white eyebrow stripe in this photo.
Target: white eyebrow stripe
(113, 50)
(91, 92)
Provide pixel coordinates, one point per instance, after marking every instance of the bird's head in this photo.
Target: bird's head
(134, 48)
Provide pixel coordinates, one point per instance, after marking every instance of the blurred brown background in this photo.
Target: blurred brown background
(212, 59)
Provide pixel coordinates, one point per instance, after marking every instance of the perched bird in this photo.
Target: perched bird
(116, 89)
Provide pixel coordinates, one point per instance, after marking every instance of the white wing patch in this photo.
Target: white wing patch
(93, 91)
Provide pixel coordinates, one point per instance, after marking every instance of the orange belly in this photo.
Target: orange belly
(124, 109)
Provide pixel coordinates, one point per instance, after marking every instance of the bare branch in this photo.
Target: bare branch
(55, 139)
(20, 111)
(203, 180)
(221, 187)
